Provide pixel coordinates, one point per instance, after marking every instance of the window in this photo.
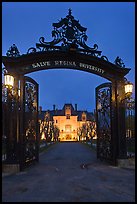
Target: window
(68, 128)
(67, 116)
(84, 118)
(68, 110)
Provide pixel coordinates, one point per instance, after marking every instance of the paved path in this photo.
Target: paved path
(61, 176)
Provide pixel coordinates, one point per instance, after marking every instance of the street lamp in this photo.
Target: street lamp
(128, 89)
(9, 84)
(8, 81)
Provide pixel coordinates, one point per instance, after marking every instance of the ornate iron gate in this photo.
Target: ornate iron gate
(105, 142)
(30, 120)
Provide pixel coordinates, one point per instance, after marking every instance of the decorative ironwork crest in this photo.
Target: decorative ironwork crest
(71, 35)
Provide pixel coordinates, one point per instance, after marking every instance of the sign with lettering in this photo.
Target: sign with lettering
(69, 64)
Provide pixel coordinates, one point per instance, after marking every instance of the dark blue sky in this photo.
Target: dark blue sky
(110, 25)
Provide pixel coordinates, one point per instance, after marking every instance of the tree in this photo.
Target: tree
(56, 133)
(87, 131)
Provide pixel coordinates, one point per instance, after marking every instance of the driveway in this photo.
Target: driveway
(70, 172)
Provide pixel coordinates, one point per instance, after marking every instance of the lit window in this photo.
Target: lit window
(67, 110)
(67, 116)
(68, 128)
(84, 116)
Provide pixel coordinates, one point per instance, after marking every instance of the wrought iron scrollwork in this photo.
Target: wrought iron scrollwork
(104, 123)
(30, 140)
(31, 50)
(68, 34)
(30, 96)
(104, 106)
(104, 58)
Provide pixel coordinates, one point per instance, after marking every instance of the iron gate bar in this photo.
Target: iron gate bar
(31, 120)
(33, 152)
(104, 121)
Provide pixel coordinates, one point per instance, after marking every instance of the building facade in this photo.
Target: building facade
(72, 124)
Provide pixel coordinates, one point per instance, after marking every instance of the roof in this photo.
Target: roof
(61, 112)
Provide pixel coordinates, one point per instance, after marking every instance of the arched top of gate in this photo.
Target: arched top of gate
(68, 49)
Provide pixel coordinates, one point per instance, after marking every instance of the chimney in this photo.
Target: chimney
(75, 107)
(40, 109)
(54, 107)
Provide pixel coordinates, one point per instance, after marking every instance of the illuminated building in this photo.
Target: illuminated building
(73, 124)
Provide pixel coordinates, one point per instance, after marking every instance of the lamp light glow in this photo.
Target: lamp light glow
(8, 80)
(128, 88)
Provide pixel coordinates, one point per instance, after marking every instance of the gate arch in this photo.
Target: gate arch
(33, 62)
(73, 53)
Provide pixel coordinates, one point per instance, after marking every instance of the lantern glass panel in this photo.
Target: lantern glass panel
(9, 80)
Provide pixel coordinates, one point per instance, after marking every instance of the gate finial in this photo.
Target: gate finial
(119, 62)
(13, 51)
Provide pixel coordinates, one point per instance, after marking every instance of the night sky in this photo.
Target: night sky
(110, 25)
